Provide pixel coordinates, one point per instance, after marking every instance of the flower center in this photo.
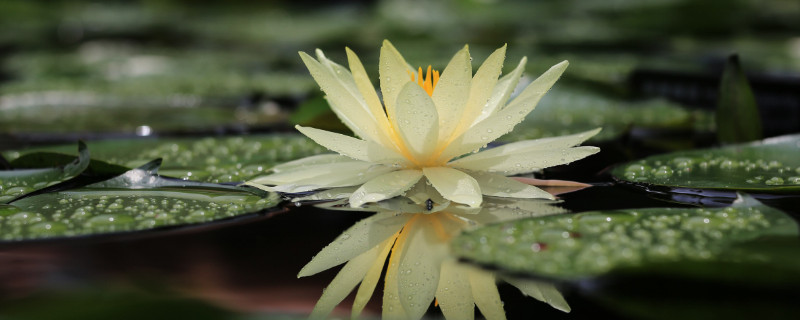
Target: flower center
(427, 83)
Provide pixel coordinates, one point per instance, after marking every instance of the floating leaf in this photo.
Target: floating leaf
(15, 183)
(136, 200)
(217, 160)
(737, 113)
(770, 166)
(593, 243)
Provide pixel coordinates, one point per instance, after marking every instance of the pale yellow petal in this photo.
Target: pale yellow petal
(423, 192)
(454, 185)
(394, 74)
(525, 162)
(385, 186)
(372, 278)
(351, 274)
(310, 161)
(452, 92)
(419, 268)
(359, 238)
(480, 91)
(417, 121)
(484, 290)
(542, 291)
(329, 194)
(454, 293)
(502, 91)
(343, 96)
(324, 176)
(367, 91)
(504, 120)
(499, 186)
(392, 308)
(544, 144)
(352, 147)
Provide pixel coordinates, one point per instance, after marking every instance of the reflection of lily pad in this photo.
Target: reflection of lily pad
(771, 166)
(136, 200)
(15, 183)
(563, 112)
(592, 243)
(207, 159)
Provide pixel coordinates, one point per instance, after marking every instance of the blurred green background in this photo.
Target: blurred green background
(89, 69)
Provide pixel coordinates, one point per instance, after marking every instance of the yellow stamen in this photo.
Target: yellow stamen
(428, 82)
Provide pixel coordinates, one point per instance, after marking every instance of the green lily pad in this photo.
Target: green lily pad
(216, 160)
(15, 183)
(593, 243)
(563, 112)
(136, 200)
(769, 166)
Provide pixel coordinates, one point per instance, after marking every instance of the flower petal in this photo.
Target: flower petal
(423, 191)
(517, 163)
(305, 172)
(394, 74)
(417, 121)
(329, 194)
(452, 92)
(361, 237)
(504, 120)
(343, 96)
(454, 185)
(392, 308)
(499, 186)
(367, 91)
(419, 266)
(484, 290)
(323, 176)
(499, 214)
(454, 293)
(352, 147)
(340, 287)
(385, 186)
(310, 161)
(557, 143)
(372, 278)
(480, 91)
(502, 91)
(541, 291)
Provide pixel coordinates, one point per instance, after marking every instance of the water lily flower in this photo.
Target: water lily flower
(422, 129)
(420, 268)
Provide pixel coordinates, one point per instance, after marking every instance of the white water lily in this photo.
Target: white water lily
(422, 128)
(420, 268)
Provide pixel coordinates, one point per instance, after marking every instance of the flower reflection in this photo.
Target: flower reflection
(420, 268)
(424, 129)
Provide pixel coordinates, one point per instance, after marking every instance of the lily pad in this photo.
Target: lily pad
(216, 160)
(563, 112)
(593, 243)
(769, 166)
(16, 183)
(136, 200)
